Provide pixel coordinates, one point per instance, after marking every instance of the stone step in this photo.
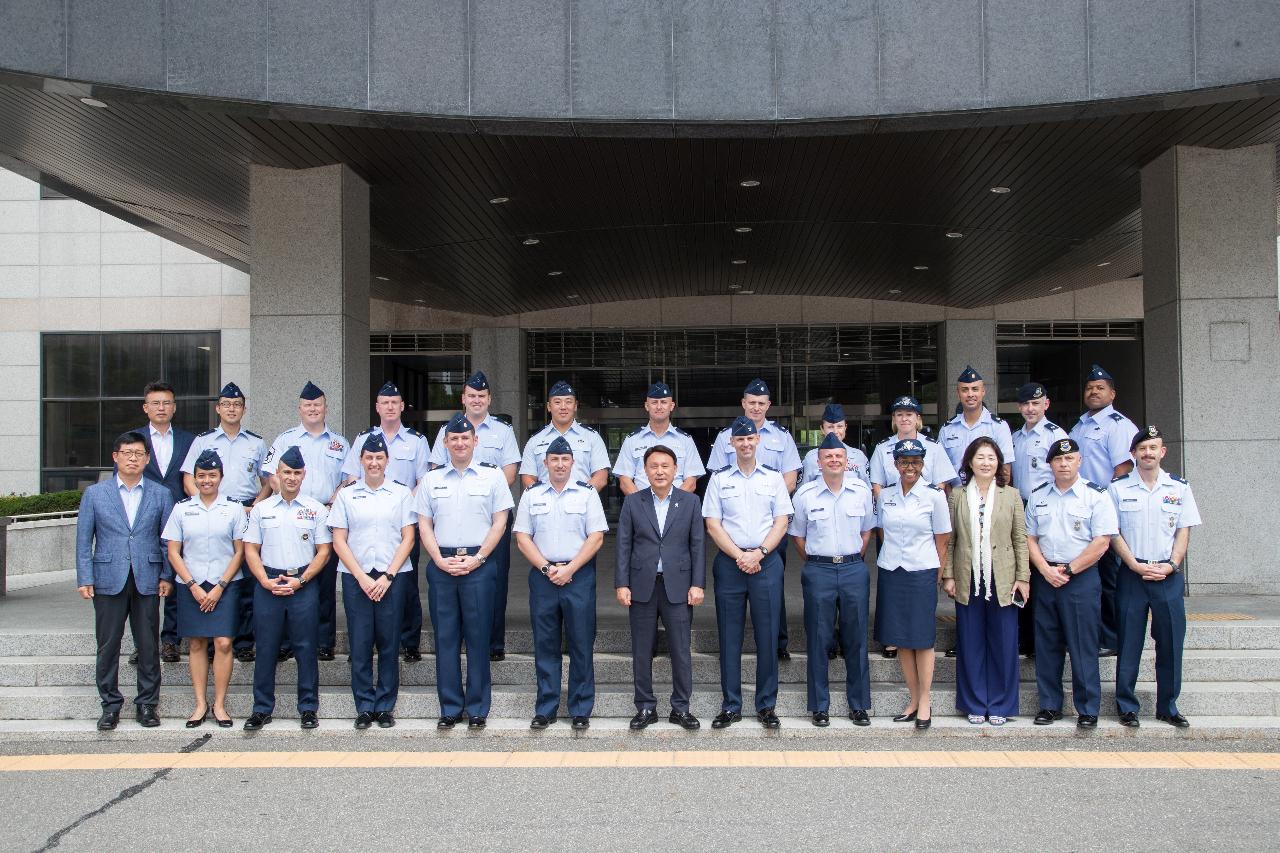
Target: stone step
(518, 669)
(1224, 698)
(1215, 635)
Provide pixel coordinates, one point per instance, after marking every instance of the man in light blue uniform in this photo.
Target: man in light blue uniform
(560, 526)
(590, 456)
(938, 470)
(856, 463)
(242, 453)
(1104, 436)
(286, 545)
(409, 459)
(1156, 511)
(462, 513)
(629, 469)
(747, 509)
(973, 421)
(324, 451)
(495, 444)
(833, 520)
(1070, 523)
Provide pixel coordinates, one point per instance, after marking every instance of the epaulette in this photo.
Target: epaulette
(676, 429)
(1118, 479)
(720, 470)
(1178, 479)
(398, 483)
(637, 430)
(1116, 416)
(1095, 486)
(584, 485)
(1051, 425)
(372, 428)
(536, 483)
(996, 418)
(207, 432)
(936, 487)
(487, 465)
(768, 468)
(585, 426)
(502, 419)
(1039, 487)
(413, 431)
(252, 433)
(927, 437)
(352, 483)
(187, 499)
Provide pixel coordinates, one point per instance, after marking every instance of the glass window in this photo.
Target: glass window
(71, 365)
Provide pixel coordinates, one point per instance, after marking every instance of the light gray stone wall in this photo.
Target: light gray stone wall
(966, 343)
(501, 354)
(41, 546)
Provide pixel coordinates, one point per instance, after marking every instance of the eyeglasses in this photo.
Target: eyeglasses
(132, 454)
(162, 404)
(230, 404)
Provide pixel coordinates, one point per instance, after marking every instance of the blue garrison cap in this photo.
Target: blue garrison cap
(1031, 391)
(389, 389)
(742, 426)
(1097, 372)
(658, 390)
(831, 441)
(209, 460)
(1145, 434)
(907, 402)
(459, 423)
(478, 381)
(293, 458)
(562, 389)
(310, 392)
(969, 375)
(1061, 447)
(833, 414)
(231, 391)
(757, 386)
(559, 446)
(908, 447)
(374, 443)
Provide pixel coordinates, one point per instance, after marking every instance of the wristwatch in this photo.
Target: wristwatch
(222, 583)
(764, 552)
(191, 582)
(302, 581)
(546, 569)
(480, 557)
(1066, 567)
(1177, 567)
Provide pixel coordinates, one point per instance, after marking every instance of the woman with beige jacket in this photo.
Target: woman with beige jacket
(987, 573)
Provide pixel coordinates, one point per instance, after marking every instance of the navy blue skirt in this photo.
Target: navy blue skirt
(220, 623)
(906, 608)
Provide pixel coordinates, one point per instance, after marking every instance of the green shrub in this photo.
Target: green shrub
(68, 501)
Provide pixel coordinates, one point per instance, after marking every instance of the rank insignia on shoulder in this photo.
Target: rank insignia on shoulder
(936, 487)
(585, 426)
(584, 485)
(1095, 486)
(1041, 486)
(1118, 479)
(252, 433)
(770, 468)
(187, 499)
(637, 430)
(719, 470)
(206, 432)
(1178, 479)
(1049, 425)
(398, 483)
(1116, 416)
(927, 437)
(487, 465)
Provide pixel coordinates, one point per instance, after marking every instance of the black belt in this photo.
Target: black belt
(835, 561)
(1151, 562)
(459, 552)
(289, 573)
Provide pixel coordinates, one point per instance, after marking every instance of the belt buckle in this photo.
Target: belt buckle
(460, 552)
(837, 559)
(291, 572)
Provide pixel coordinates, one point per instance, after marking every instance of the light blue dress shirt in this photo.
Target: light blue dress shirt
(1066, 522)
(242, 459)
(207, 534)
(1150, 518)
(407, 456)
(746, 505)
(495, 444)
(910, 522)
(288, 531)
(777, 449)
(956, 436)
(1104, 443)
(323, 453)
(1030, 469)
(461, 505)
(132, 498)
(631, 455)
(589, 453)
(856, 464)
(831, 524)
(560, 522)
(374, 520)
(937, 465)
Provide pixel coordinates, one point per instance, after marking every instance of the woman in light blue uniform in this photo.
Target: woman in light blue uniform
(916, 524)
(373, 532)
(204, 535)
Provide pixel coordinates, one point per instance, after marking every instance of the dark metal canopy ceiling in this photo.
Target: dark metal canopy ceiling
(629, 217)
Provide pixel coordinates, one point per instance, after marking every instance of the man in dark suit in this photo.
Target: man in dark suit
(121, 568)
(661, 572)
(167, 446)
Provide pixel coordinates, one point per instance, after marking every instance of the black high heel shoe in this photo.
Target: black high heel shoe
(922, 725)
(195, 724)
(222, 724)
(905, 718)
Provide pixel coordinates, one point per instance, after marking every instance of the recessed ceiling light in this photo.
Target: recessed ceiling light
(735, 287)
(749, 182)
(1055, 289)
(954, 234)
(739, 261)
(895, 291)
(1000, 190)
(420, 301)
(920, 267)
(531, 241)
(743, 229)
(556, 272)
(572, 296)
(1105, 264)
(746, 292)
(93, 102)
(382, 278)
(499, 199)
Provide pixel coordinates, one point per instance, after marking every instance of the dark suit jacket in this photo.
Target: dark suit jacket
(172, 478)
(681, 546)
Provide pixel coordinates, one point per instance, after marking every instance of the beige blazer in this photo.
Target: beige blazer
(1008, 545)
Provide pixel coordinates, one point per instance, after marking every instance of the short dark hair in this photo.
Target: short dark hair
(157, 386)
(130, 437)
(660, 448)
(966, 464)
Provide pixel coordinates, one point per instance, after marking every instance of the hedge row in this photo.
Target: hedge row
(68, 501)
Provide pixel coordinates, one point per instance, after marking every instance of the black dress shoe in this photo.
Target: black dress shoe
(908, 717)
(1086, 721)
(725, 719)
(768, 718)
(888, 653)
(541, 721)
(325, 653)
(169, 653)
(386, 720)
(860, 718)
(950, 653)
(831, 654)
(147, 716)
(245, 655)
(108, 721)
(643, 718)
(256, 721)
(821, 720)
(581, 723)
(365, 719)
(196, 722)
(923, 724)
(412, 655)
(1106, 653)
(1129, 719)
(1176, 720)
(476, 723)
(1045, 717)
(133, 659)
(684, 720)
(498, 655)
(783, 654)
(309, 720)
(283, 655)
(447, 722)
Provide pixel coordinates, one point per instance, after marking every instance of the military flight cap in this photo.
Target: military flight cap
(658, 391)
(1031, 391)
(756, 387)
(907, 402)
(209, 460)
(389, 389)
(969, 375)
(1062, 447)
(833, 414)
(478, 381)
(559, 446)
(231, 391)
(293, 458)
(374, 443)
(459, 423)
(831, 442)
(562, 389)
(1145, 434)
(908, 447)
(742, 426)
(310, 392)
(1097, 372)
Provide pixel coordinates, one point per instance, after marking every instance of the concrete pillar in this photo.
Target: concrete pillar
(501, 353)
(309, 304)
(1212, 351)
(960, 343)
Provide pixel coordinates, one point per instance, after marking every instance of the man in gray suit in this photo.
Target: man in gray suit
(121, 568)
(661, 572)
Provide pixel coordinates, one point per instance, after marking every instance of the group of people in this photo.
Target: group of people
(1082, 535)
